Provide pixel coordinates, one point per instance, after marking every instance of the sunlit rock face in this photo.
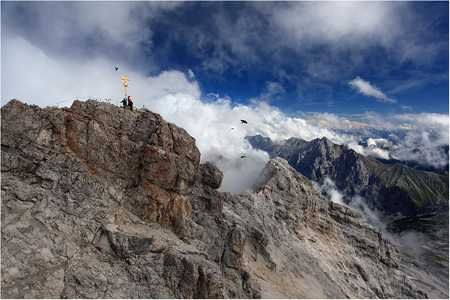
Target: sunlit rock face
(103, 202)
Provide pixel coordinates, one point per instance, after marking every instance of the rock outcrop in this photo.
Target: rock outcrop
(103, 202)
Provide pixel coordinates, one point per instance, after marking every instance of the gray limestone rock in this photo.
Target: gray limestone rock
(102, 202)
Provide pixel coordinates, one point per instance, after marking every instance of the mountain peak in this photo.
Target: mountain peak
(390, 188)
(278, 171)
(99, 201)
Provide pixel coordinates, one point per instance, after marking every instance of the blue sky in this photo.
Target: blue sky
(298, 56)
(351, 71)
(302, 55)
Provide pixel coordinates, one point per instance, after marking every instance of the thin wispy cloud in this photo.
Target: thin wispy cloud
(365, 88)
(272, 90)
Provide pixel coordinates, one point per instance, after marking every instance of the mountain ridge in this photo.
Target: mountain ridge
(358, 174)
(102, 202)
(408, 205)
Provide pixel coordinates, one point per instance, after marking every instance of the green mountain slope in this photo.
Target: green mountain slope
(423, 187)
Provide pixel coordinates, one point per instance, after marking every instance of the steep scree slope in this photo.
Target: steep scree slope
(102, 202)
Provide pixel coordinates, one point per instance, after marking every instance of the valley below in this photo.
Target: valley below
(425, 249)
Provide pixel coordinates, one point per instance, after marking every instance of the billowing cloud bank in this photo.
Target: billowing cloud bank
(214, 120)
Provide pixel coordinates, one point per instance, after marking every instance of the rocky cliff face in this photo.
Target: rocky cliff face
(390, 188)
(102, 202)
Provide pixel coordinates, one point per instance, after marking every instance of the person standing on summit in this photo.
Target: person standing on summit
(130, 103)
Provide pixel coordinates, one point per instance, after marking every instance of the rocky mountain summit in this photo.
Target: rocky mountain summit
(103, 202)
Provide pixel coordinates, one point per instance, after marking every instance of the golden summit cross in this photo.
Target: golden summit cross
(125, 80)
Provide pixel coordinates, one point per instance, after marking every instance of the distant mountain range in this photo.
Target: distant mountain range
(394, 189)
(409, 205)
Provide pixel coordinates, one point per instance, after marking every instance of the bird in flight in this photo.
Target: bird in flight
(243, 156)
(243, 122)
(117, 68)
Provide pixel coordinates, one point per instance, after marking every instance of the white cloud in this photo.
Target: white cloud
(418, 137)
(272, 89)
(407, 108)
(171, 94)
(365, 88)
(31, 76)
(377, 119)
(330, 118)
(118, 21)
(383, 143)
(407, 137)
(335, 122)
(335, 21)
(82, 31)
(425, 119)
(376, 148)
(358, 26)
(215, 123)
(329, 190)
(49, 81)
(411, 242)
